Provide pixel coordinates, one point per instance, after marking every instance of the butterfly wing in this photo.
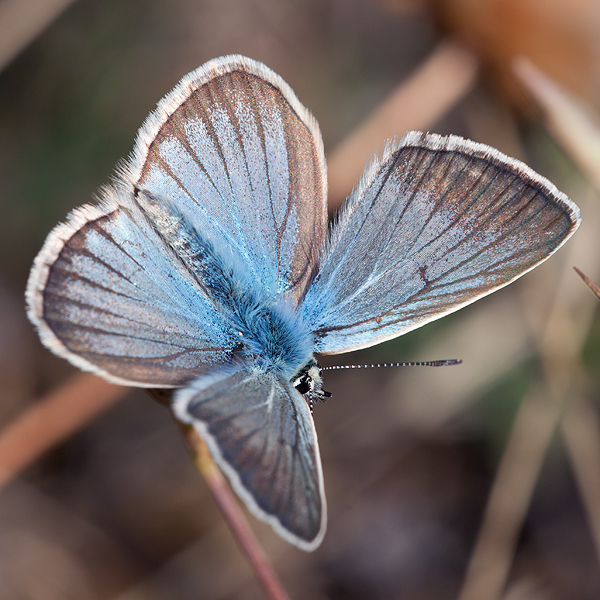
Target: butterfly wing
(260, 432)
(243, 160)
(439, 223)
(106, 294)
(230, 166)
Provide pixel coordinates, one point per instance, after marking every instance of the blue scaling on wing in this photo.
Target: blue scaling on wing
(437, 224)
(260, 432)
(107, 294)
(243, 160)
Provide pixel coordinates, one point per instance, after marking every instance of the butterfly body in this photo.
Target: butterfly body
(207, 267)
(264, 331)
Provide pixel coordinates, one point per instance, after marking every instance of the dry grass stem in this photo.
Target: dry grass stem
(558, 397)
(21, 21)
(53, 419)
(589, 282)
(417, 103)
(234, 516)
(510, 497)
(568, 118)
(580, 429)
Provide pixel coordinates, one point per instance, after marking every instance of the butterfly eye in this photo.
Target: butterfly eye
(302, 384)
(309, 383)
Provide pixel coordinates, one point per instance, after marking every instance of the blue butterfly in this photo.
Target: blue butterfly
(207, 267)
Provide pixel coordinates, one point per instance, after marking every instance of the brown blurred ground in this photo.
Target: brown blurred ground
(119, 510)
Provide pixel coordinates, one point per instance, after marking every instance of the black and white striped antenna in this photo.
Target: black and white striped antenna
(428, 363)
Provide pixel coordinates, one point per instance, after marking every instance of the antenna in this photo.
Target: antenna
(429, 363)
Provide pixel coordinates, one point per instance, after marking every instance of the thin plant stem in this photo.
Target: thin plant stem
(21, 21)
(580, 430)
(447, 75)
(53, 419)
(238, 524)
(510, 497)
(595, 289)
(235, 518)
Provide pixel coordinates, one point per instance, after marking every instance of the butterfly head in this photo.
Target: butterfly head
(309, 382)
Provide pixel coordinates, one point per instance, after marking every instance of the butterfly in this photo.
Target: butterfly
(208, 267)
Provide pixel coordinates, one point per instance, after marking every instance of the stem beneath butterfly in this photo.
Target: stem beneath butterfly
(228, 505)
(235, 518)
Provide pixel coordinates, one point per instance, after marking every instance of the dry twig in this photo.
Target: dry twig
(53, 419)
(559, 399)
(431, 91)
(21, 21)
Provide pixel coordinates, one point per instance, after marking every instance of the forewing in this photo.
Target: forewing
(439, 223)
(230, 167)
(243, 160)
(106, 294)
(260, 432)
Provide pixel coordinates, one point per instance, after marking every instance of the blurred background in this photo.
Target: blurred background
(433, 477)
